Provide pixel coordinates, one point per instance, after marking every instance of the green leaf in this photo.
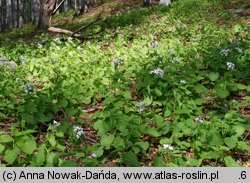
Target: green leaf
(71, 111)
(143, 145)
(63, 103)
(100, 127)
(59, 134)
(154, 132)
(2, 147)
(22, 133)
(52, 140)
(215, 139)
(231, 142)
(158, 119)
(127, 95)
(131, 160)
(243, 145)
(98, 151)
(52, 159)
(237, 28)
(119, 143)
(107, 140)
(158, 162)
(230, 162)
(69, 163)
(167, 112)
(213, 76)
(11, 155)
(158, 92)
(239, 130)
(148, 100)
(27, 144)
(241, 86)
(5, 138)
(40, 157)
(248, 88)
(221, 93)
(247, 98)
(201, 89)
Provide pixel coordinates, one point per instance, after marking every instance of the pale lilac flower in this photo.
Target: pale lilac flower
(171, 51)
(56, 123)
(18, 79)
(240, 50)
(3, 59)
(79, 48)
(182, 81)
(235, 101)
(230, 66)
(117, 62)
(79, 131)
(224, 52)
(23, 57)
(140, 107)
(158, 72)
(175, 59)
(168, 146)
(39, 46)
(93, 155)
(57, 40)
(198, 119)
(28, 88)
(235, 41)
(194, 40)
(155, 44)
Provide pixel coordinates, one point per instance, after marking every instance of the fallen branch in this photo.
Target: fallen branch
(63, 31)
(87, 26)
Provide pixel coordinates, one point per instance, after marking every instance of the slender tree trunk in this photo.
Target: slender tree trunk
(35, 8)
(21, 14)
(147, 2)
(46, 11)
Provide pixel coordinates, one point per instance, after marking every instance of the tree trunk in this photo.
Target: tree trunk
(21, 14)
(147, 2)
(46, 11)
(35, 8)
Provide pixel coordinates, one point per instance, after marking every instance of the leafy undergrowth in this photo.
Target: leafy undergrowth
(169, 90)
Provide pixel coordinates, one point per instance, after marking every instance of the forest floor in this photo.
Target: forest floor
(149, 86)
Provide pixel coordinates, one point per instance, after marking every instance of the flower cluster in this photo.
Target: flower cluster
(28, 88)
(140, 107)
(240, 50)
(182, 81)
(175, 59)
(56, 124)
(194, 40)
(167, 146)
(58, 40)
(230, 66)
(39, 46)
(117, 62)
(79, 48)
(93, 155)
(18, 79)
(23, 57)
(3, 59)
(224, 52)
(171, 51)
(158, 72)
(79, 131)
(199, 119)
(155, 44)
